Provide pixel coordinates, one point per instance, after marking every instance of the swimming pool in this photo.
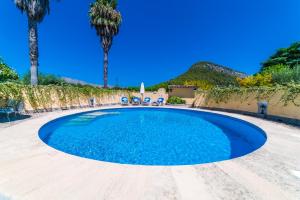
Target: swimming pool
(153, 136)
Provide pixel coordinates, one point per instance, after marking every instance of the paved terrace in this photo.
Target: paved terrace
(29, 169)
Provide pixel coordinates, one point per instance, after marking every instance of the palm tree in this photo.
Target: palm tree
(36, 10)
(106, 19)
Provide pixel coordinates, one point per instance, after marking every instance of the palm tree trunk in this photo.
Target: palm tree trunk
(105, 68)
(33, 51)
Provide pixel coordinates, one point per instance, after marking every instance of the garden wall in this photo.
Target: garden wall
(53, 97)
(66, 101)
(153, 95)
(283, 104)
(56, 102)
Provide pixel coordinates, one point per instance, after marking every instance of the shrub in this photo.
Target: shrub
(6, 73)
(275, 69)
(277, 74)
(175, 100)
(286, 75)
(263, 79)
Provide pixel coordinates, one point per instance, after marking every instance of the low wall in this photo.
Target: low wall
(47, 98)
(153, 95)
(247, 103)
(56, 103)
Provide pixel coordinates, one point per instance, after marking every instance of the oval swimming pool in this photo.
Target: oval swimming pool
(153, 136)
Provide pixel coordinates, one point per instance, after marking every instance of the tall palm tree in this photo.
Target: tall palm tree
(106, 19)
(36, 10)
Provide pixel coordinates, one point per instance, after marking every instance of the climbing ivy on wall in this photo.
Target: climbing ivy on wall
(42, 96)
(222, 95)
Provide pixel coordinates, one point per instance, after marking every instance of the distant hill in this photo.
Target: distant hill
(205, 73)
(78, 82)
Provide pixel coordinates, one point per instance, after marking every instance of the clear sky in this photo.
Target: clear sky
(158, 40)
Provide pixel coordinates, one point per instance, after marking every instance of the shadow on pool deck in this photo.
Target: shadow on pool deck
(12, 118)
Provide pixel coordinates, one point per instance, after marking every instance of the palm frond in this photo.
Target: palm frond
(35, 9)
(105, 18)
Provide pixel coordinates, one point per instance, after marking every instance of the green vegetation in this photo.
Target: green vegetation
(285, 56)
(35, 11)
(45, 79)
(289, 93)
(280, 73)
(203, 84)
(175, 100)
(263, 79)
(43, 97)
(280, 69)
(283, 74)
(134, 89)
(204, 75)
(158, 86)
(106, 20)
(6, 73)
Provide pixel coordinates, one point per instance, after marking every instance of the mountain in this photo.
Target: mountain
(78, 82)
(205, 74)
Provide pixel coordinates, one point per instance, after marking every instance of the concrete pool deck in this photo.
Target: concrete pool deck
(29, 169)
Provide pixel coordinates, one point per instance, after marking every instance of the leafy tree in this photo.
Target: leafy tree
(36, 10)
(106, 19)
(285, 56)
(6, 73)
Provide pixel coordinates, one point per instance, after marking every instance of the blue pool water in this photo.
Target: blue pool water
(153, 136)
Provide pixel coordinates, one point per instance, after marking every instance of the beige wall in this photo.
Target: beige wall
(182, 92)
(56, 103)
(105, 99)
(249, 102)
(153, 95)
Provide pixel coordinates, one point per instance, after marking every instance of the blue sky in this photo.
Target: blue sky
(158, 39)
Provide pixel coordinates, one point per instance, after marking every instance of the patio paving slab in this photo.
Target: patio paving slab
(29, 169)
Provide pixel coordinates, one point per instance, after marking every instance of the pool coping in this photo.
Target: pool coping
(29, 169)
